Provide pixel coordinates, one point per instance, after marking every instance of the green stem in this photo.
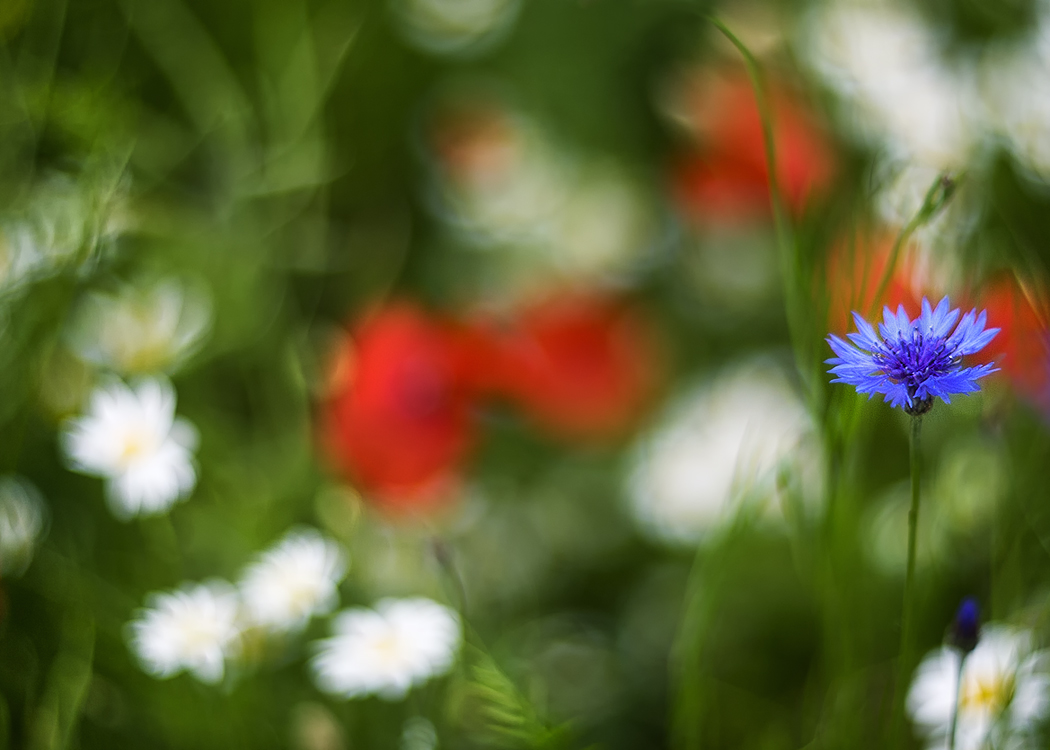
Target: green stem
(937, 195)
(955, 703)
(908, 616)
(781, 220)
(443, 554)
(765, 115)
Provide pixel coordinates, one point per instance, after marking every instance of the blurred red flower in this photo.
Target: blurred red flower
(725, 179)
(855, 271)
(580, 364)
(1022, 347)
(398, 417)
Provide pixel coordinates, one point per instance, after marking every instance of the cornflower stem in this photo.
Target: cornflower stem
(907, 617)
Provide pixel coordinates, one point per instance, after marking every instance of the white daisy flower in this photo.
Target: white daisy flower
(22, 515)
(604, 225)
(387, 651)
(453, 27)
(293, 581)
(934, 257)
(53, 231)
(726, 442)
(21, 256)
(540, 214)
(1017, 92)
(133, 440)
(193, 629)
(1005, 691)
(141, 330)
(885, 62)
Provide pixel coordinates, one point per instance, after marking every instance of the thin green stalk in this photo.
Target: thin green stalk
(765, 115)
(937, 196)
(908, 609)
(443, 554)
(955, 703)
(781, 221)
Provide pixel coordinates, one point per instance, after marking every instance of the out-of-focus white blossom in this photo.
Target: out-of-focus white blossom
(886, 63)
(736, 437)
(293, 581)
(63, 223)
(1004, 692)
(22, 516)
(603, 226)
(141, 330)
(193, 629)
(132, 439)
(387, 651)
(1015, 78)
(21, 256)
(934, 259)
(456, 26)
(543, 215)
(498, 180)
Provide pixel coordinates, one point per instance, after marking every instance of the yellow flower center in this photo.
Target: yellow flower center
(986, 693)
(388, 647)
(137, 442)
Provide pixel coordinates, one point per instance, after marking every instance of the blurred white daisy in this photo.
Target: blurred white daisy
(133, 440)
(1004, 693)
(64, 224)
(886, 64)
(542, 214)
(141, 329)
(293, 581)
(899, 198)
(513, 202)
(603, 226)
(1016, 87)
(387, 651)
(456, 26)
(735, 438)
(193, 629)
(22, 515)
(21, 256)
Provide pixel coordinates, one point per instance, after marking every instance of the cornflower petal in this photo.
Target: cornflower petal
(903, 321)
(889, 328)
(866, 334)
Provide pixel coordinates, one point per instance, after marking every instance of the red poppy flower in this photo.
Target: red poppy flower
(581, 365)
(398, 420)
(726, 179)
(1022, 347)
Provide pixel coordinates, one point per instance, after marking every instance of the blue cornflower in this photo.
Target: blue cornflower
(913, 361)
(966, 630)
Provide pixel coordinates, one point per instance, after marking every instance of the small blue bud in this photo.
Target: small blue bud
(967, 626)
